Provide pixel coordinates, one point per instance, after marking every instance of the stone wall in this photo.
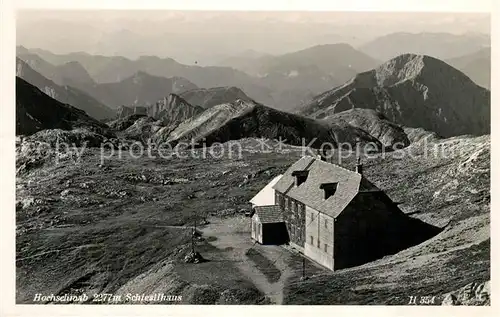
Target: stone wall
(294, 216)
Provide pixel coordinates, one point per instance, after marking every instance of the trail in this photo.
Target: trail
(233, 236)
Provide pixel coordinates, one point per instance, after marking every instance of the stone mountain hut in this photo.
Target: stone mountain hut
(335, 216)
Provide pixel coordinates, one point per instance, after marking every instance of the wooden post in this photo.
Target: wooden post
(303, 267)
(193, 234)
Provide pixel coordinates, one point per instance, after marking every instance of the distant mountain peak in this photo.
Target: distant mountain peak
(173, 108)
(209, 97)
(175, 99)
(415, 91)
(400, 68)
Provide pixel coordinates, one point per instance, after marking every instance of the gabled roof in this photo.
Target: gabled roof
(269, 214)
(320, 172)
(266, 195)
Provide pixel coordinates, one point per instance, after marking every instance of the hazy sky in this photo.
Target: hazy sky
(212, 35)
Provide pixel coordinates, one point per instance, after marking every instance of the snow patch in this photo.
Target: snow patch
(50, 91)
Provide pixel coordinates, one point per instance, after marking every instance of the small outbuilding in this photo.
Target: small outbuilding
(268, 225)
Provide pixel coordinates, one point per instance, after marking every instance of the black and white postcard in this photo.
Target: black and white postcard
(178, 157)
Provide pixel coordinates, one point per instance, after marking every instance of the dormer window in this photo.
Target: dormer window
(300, 177)
(329, 189)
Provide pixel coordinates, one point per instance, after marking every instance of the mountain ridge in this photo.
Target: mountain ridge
(414, 91)
(66, 94)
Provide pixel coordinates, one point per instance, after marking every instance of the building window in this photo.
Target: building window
(326, 223)
(326, 248)
(312, 216)
(312, 240)
(319, 244)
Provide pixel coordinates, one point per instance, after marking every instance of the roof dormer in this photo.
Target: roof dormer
(329, 189)
(300, 177)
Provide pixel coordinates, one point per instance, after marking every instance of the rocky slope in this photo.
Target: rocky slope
(207, 98)
(155, 121)
(144, 128)
(124, 111)
(476, 65)
(438, 45)
(64, 94)
(376, 124)
(418, 134)
(243, 119)
(446, 183)
(37, 111)
(173, 109)
(414, 91)
(123, 123)
(125, 227)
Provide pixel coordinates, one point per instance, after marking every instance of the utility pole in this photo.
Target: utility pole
(193, 234)
(303, 268)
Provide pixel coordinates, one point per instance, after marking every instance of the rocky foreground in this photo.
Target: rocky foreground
(95, 226)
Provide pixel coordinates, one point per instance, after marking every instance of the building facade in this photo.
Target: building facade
(339, 219)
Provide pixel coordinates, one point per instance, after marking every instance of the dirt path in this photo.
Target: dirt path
(233, 236)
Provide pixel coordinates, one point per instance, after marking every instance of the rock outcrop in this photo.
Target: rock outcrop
(207, 98)
(173, 109)
(243, 119)
(374, 123)
(472, 294)
(125, 111)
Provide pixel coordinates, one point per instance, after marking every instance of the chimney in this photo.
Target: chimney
(300, 177)
(329, 189)
(321, 155)
(359, 166)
